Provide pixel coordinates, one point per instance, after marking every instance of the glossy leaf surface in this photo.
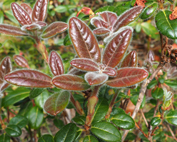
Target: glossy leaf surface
(46, 138)
(21, 61)
(4, 138)
(39, 10)
(35, 117)
(130, 60)
(58, 123)
(15, 96)
(53, 29)
(85, 64)
(83, 40)
(155, 121)
(117, 47)
(90, 138)
(157, 93)
(128, 77)
(106, 131)
(127, 17)
(26, 7)
(166, 26)
(57, 102)
(29, 78)
(109, 17)
(20, 14)
(67, 133)
(101, 31)
(123, 121)
(19, 120)
(171, 117)
(70, 82)
(94, 78)
(11, 30)
(35, 92)
(79, 120)
(13, 130)
(56, 64)
(110, 71)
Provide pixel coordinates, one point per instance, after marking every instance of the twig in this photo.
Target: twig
(147, 125)
(173, 135)
(141, 130)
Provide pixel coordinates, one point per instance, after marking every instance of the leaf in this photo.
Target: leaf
(67, 133)
(100, 110)
(128, 77)
(83, 40)
(149, 10)
(1, 17)
(70, 82)
(134, 100)
(157, 93)
(155, 121)
(53, 29)
(40, 100)
(11, 30)
(152, 84)
(171, 83)
(56, 63)
(29, 78)
(4, 138)
(39, 10)
(13, 130)
(94, 78)
(58, 123)
(127, 17)
(101, 23)
(19, 120)
(15, 96)
(11, 17)
(109, 17)
(123, 121)
(131, 60)
(101, 31)
(90, 138)
(117, 47)
(35, 117)
(166, 26)
(85, 64)
(46, 138)
(35, 92)
(20, 14)
(106, 131)
(150, 30)
(109, 71)
(21, 61)
(57, 102)
(26, 7)
(80, 120)
(171, 117)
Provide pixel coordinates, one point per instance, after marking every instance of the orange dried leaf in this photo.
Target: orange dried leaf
(140, 3)
(174, 14)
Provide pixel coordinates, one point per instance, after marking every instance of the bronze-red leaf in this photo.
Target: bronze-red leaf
(85, 64)
(21, 61)
(83, 40)
(29, 78)
(11, 30)
(131, 60)
(54, 28)
(27, 8)
(40, 10)
(70, 82)
(127, 17)
(20, 14)
(99, 23)
(110, 71)
(56, 64)
(127, 77)
(116, 48)
(101, 31)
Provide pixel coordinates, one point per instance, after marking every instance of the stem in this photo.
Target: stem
(173, 135)
(141, 130)
(144, 118)
(141, 96)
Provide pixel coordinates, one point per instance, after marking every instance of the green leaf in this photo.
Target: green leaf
(130, 136)
(4, 138)
(64, 8)
(171, 117)
(166, 26)
(106, 131)
(40, 100)
(1, 17)
(67, 133)
(35, 92)
(157, 93)
(80, 120)
(19, 120)
(171, 83)
(155, 121)
(123, 121)
(90, 138)
(138, 28)
(134, 100)
(35, 117)
(46, 138)
(13, 130)
(152, 84)
(100, 110)
(11, 17)
(15, 96)
(58, 123)
(149, 10)
(150, 30)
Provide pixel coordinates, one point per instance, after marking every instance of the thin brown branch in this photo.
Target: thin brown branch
(145, 120)
(173, 135)
(141, 130)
